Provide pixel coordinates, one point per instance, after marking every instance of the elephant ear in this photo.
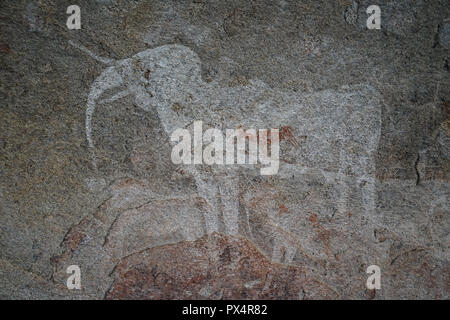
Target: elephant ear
(172, 62)
(185, 63)
(177, 74)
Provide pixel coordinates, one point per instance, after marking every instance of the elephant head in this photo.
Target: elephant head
(155, 77)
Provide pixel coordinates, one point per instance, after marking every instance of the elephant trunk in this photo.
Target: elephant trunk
(109, 79)
(90, 108)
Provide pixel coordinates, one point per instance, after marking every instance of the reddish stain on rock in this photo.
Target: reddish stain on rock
(286, 133)
(282, 209)
(213, 267)
(323, 233)
(73, 239)
(313, 218)
(370, 294)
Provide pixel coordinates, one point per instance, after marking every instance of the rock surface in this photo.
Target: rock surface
(364, 150)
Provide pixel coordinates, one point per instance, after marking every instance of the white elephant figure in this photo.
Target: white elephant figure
(347, 119)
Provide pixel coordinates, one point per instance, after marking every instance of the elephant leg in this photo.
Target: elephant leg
(367, 181)
(343, 181)
(209, 191)
(290, 254)
(249, 227)
(363, 166)
(229, 195)
(277, 250)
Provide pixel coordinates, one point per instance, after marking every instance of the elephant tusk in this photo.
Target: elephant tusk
(106, 61)
(117, 96)
(89, 112)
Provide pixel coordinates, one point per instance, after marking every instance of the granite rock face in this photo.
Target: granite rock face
(86, 172)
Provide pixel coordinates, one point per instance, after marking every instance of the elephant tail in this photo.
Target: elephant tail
(106, 61)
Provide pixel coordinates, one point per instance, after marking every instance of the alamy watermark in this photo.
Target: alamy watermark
(74, 280)
(261, 147)
(374, 280)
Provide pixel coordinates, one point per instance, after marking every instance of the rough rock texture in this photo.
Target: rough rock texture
(213, 267)
(364, 149)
